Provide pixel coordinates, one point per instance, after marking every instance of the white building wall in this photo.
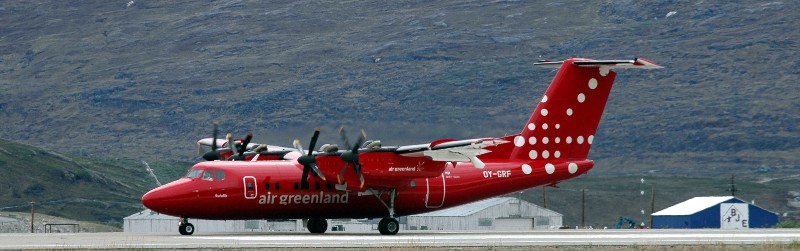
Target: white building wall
(509, 215)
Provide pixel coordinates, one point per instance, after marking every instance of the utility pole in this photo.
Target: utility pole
(33, 210)
(544, 195)
(583, 208)
(652, 205)
(733, 187)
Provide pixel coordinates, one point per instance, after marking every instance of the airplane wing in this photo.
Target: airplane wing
(452, 150)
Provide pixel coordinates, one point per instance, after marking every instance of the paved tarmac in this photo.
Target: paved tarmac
(403, 239)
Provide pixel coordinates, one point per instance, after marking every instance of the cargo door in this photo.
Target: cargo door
(436, 189)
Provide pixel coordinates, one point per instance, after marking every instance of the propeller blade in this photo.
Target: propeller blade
(309, 161)
(351, 157)
(360, 176)
(213, 154)
(316, 170)
(304, 179)
(231, 144)
(246, 141)
(297, 146)
(344, 138)
(360, 140)
(214, 139)
(340, 177)
(313, 141)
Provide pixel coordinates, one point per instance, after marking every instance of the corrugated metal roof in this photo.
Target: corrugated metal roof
(693, 205)
(149, 214)
(468, 209)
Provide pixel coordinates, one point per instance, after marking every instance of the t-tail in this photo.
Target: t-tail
(564, 123)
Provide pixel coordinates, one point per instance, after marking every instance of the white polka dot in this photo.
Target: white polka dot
(544, 112)
(573, 168)
(590, 139)
(545, 140)
(604, 71)
(569, 112)
(569, 140)
(557, 154)
(533, 154)
(532, 140)
(580, 139)
(545, 154)
(544, 99)
(558, 126)
(519, 141)
(531, 126)
(592, 83)
(550, 168)
(544, 126)
(581, 97)
(526, 169)
(558, 140)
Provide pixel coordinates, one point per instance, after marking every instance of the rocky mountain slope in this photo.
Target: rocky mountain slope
(144, 79)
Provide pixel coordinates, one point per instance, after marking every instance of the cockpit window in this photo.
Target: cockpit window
(208, 175)
(220, 175)
(194, 173)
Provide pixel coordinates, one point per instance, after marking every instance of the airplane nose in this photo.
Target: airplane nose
(153, 200)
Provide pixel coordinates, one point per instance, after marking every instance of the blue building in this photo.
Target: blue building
(726, 212)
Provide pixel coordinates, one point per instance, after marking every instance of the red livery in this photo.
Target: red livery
(367, 180)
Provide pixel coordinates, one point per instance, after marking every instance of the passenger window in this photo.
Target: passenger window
(296, 186)
(220, 175)
(330, 186)
(266, 185)
(277, 186)
(207, 175)
(316, 185)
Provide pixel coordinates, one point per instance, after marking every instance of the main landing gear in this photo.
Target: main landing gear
(317, 226)
(389, 226)
(184, 227)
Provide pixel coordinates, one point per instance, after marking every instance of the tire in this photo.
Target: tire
(317, 226)
(186, 229)
(389, 226)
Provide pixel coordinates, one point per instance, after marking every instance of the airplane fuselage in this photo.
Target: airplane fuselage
(271, 190)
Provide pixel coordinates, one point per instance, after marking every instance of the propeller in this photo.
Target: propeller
(308, 161)
(351, 157)
(242, 148)
(213, 154)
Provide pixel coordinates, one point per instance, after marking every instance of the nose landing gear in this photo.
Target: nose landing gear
(184, 227)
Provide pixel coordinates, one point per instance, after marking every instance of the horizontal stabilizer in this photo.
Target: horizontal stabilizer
(639, 63)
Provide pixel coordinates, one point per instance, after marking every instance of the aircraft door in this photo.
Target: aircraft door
(250, 187)
(436, 189)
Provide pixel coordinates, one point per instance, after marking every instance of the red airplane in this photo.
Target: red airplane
(387, 182)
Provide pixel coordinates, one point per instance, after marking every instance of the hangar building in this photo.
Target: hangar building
(726, 212)
(502, 213)
(148, 221)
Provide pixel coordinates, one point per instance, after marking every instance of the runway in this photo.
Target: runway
(403, 239)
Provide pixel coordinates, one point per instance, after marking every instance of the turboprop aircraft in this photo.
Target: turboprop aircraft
(387, 182)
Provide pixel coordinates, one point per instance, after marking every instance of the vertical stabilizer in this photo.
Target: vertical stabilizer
(564, 123)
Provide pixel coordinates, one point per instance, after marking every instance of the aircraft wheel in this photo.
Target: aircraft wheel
(389, 226)
(186, 229)
(317, 226)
